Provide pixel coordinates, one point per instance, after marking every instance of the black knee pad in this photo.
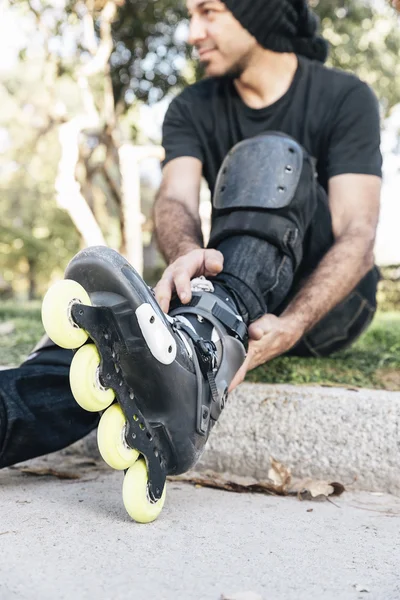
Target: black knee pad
(266, 188)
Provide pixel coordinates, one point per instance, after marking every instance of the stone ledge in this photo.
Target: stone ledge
(351, 436)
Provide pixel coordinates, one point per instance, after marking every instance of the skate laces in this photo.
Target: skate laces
(201, 284)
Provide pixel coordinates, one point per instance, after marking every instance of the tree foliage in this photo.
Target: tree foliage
(149, 51)
(35, 236)
(148, 59)
(148, 55)
(365, 40)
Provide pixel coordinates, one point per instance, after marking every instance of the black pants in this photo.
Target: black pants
(38, 414)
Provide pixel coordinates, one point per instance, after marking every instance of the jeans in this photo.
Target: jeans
(38, 413)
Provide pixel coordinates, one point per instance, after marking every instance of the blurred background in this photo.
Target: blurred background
(84, 86)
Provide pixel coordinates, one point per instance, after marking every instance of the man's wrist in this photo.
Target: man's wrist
(295, 323)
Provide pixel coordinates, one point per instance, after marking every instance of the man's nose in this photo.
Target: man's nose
(197, 31)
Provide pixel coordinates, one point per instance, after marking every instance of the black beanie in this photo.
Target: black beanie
(281, 26)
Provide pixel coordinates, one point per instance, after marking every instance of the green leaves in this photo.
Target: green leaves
(147, 57)
(365, 41)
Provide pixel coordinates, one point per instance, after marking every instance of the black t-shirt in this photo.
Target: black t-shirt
(331, 113)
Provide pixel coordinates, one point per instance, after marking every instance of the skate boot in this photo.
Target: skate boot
(161, 380)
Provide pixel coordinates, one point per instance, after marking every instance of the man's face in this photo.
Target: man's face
(224, 46)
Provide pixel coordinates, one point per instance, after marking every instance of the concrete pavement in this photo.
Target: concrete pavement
(71, 540)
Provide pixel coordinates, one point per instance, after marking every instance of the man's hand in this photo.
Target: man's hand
(270, 337)
(178, 275)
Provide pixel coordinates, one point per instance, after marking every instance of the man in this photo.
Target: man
(264, 66)
(294, 253)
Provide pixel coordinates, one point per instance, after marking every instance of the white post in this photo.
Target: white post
(130, 157)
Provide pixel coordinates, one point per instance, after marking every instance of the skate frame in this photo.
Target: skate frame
(99, 322)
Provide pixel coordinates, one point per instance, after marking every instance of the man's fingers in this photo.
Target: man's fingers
(182, 285)
(256, 332)
(163, 292)
(178, 281)
(259, 328)
(177, 276)
(213, 262)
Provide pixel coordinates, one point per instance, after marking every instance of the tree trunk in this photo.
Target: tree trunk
(69, 196)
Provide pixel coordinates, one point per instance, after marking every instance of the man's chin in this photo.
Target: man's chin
(213, 70)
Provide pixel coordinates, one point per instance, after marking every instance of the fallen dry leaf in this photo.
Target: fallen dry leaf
(228, 482)
(279, 474)
(232, 483)
(47, 472)
(314, 488)
(280, 483)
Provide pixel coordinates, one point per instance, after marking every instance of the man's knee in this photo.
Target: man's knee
(266, 188)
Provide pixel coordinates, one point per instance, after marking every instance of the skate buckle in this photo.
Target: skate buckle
(206, 351)
(207, 355)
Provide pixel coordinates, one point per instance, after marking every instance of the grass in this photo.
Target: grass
(14, 347)
(373, 362)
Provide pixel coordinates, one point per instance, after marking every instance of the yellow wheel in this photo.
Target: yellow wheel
(135, 495)
(84, 380)
(56, 313)
(111, 440)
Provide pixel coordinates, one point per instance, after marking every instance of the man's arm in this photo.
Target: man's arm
(178, 230)
(176, 209)
(354, 202)
(354, 166)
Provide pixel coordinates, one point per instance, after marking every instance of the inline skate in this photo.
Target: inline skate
(160, 381)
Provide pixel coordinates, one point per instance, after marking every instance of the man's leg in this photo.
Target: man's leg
(38, 413)
(265, 199)
(257, 273)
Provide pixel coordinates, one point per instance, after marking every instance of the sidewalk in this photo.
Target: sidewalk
(72, 540)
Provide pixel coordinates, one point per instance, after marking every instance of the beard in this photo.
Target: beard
(234, 71)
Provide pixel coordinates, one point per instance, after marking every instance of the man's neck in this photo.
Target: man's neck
(267, 78)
